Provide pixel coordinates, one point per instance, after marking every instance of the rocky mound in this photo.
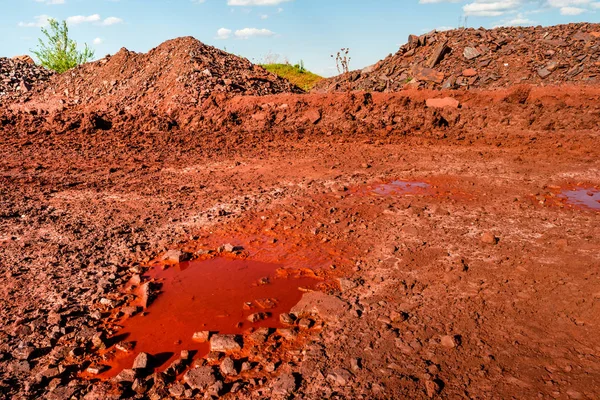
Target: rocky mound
(178, 73)
(19, 75)
(480, 58)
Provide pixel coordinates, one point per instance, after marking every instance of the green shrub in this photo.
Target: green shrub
(59, 52)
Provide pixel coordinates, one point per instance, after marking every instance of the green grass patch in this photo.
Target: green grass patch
(296, 74)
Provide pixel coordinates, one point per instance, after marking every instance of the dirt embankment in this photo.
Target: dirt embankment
(480, 58)
(18, 77)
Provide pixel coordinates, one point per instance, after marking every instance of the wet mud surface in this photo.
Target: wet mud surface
(452, 269)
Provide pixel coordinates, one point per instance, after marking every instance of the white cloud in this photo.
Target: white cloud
(247, 33)
(111, 21)
(506, 8)
(80, 19)
(255, 2)
(572, 10)
(39, 21)
(98, 41)
(224, 33)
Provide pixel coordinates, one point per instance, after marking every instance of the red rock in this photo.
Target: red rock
(469, 72)
(446, 102)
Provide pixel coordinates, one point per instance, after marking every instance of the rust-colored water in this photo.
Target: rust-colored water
(582, 197)
(208, 295)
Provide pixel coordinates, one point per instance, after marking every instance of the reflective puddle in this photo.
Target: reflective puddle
(217, 295)
(397, 188)
(582, 197)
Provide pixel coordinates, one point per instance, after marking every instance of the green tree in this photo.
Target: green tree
(59, 52)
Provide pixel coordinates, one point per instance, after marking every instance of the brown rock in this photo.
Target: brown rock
(427, 74)
(25, 58)
(438, 55)
(489, 238)
(470, 72)
(200, 378)
(471, 53)
(201, 337)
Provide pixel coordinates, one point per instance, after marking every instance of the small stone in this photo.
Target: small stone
(339, 376)
(544, 72)
(176, 390)
(184, 355)
(142, 361)
(469, 72)
(448, 342)
(225, 343)
(346, 284)
(260, 335)
(246, 366)
(256, 317)
(129, 311)
(284, 385)
(95, 369)
(125, 347)
(228, 367)
(471, 53)
(356, 364)
(176, 256)
(286, 319)
(287, 333)
(432, 388)
(200, 378)
(211, 357)
(489, 238)
(446, 102)
(201, 337)
(305, 323)
(127, 375)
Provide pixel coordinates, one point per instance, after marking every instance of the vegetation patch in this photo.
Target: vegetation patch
(296, 74)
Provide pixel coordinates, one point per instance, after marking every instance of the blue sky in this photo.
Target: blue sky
(310, 30)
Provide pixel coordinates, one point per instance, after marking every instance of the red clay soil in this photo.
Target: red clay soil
(483, 58)
(478, 280)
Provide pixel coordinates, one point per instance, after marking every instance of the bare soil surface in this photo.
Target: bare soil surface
(476, 280)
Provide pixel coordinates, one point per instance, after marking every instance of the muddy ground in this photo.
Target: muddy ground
(484, 285)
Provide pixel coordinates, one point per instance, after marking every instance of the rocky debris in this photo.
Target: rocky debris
(489, 238)
(225, 343)
(480, 58)
(182, 72)
(256, 317)
(328, 308)
(19, 76)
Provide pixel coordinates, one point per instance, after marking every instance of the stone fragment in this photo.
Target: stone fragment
(339, 376)
(327, 307)
(286, 319)
(225, 343)
(228, 367)
(305, 323)
(427, 74)
(176, 256)
(260, 335)
(446, 102)
(201, 336)
(346, 284)
(176, 390)
(469, 72)
(284, 385)
(448, 342)
(471, 53)
(142, 361)
(438, 55)
(544, 72)
(95, 369)
(127, 375)
(256, 317)
(200, 378)
(489, 238)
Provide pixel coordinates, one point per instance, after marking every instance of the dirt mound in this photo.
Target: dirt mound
(480, 58)
(178, 73)
(19, 75)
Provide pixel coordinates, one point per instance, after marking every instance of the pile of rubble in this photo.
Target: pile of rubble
(177, 74)
(480, 58)
(19, 75)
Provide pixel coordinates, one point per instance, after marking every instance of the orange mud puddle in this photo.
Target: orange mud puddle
(215, 295)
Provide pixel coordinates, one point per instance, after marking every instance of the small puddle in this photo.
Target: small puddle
(582, 197)
(216, 295)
